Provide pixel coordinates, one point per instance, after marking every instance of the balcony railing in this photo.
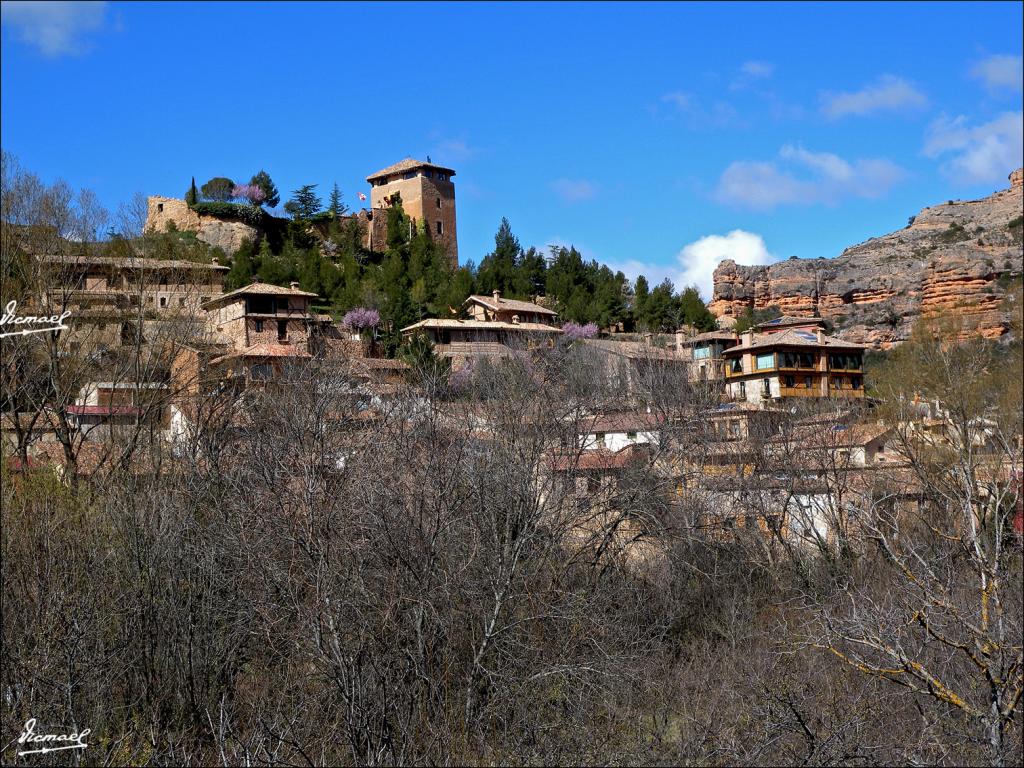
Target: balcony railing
(473, 349)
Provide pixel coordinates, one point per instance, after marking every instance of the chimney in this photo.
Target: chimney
(293, 285)
(747, 338)
(254, 280)
(821, 336)
(497, 296)
(215, 260)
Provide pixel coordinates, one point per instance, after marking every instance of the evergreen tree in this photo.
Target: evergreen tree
(694, 312)
(336, 207)
(304, 203)
(661, 309)
(192, 196)
(242, 267)
(219, 189)
(498, 268)
(641, 292)
(271, 196)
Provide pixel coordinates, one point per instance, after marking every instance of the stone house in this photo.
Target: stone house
(795, 362)
(114, 299)
(427, 194)
(706, 353)
(496, 328)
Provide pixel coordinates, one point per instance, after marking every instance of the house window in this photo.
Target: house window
(855, 382)
(631, 435)
(410, 175)
(808, 382)
(765, 362)
(282, 330)
(736, 366)
(600, 439)
(766, 387)
(259, 326)
(701, 353)
(438, 203)
(163, 302)
(261, 371)
(181, 301)
(790, 381)
(440, 228)
(743, 389)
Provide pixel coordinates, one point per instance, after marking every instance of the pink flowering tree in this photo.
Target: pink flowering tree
(361, 319)
(575, 331)
(251, 193)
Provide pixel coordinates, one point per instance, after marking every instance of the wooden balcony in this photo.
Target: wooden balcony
(473, 349)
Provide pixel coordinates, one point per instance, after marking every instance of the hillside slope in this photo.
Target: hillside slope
(962, 255)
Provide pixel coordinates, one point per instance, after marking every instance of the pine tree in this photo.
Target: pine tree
(271, 197)
(641, 292)
(304, 203)
(336, 206)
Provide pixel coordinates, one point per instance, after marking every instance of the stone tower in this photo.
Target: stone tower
(427, 195)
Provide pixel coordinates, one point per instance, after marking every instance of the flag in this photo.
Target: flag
(362, 196)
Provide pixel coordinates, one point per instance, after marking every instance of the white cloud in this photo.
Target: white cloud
(56, 28)
(695, 263)
(574, 190)
(721, 114)
(757, 68)
(1000, 72)
(446, 149)
(889, 93)
(699, 259)
(805, 177)
(979, 154)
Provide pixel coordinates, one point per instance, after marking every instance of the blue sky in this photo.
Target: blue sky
(656, 138)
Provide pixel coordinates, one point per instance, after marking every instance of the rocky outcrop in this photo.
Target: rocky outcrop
(961, 256)
(165, 213)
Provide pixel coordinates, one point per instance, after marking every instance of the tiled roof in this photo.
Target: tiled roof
(408, 164)
(258, 289)
(793, 337)
(787, 320)
(129, 262)
(483, 325)
(263, 350)
(599, 459)
(634, 350)
(620, 422)
(710, 336)
(510, 305)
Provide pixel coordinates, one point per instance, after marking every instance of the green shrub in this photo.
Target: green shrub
(250, 214)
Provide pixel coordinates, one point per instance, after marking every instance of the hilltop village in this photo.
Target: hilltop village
(776, 401)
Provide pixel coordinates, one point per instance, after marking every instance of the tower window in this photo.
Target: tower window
(439, 202)
(160, 207)
(440, 228)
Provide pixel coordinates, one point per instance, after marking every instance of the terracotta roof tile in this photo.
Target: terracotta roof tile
(510, 305)
(129, 262)
(258, 289)
(408, 164)
(792, 337)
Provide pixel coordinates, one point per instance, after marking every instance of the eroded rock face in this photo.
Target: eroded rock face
(225, 234)
(961, 256)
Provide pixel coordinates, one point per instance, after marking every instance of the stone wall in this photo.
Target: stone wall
(225, 234)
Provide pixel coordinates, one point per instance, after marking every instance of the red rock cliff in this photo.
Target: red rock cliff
(961, 256)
